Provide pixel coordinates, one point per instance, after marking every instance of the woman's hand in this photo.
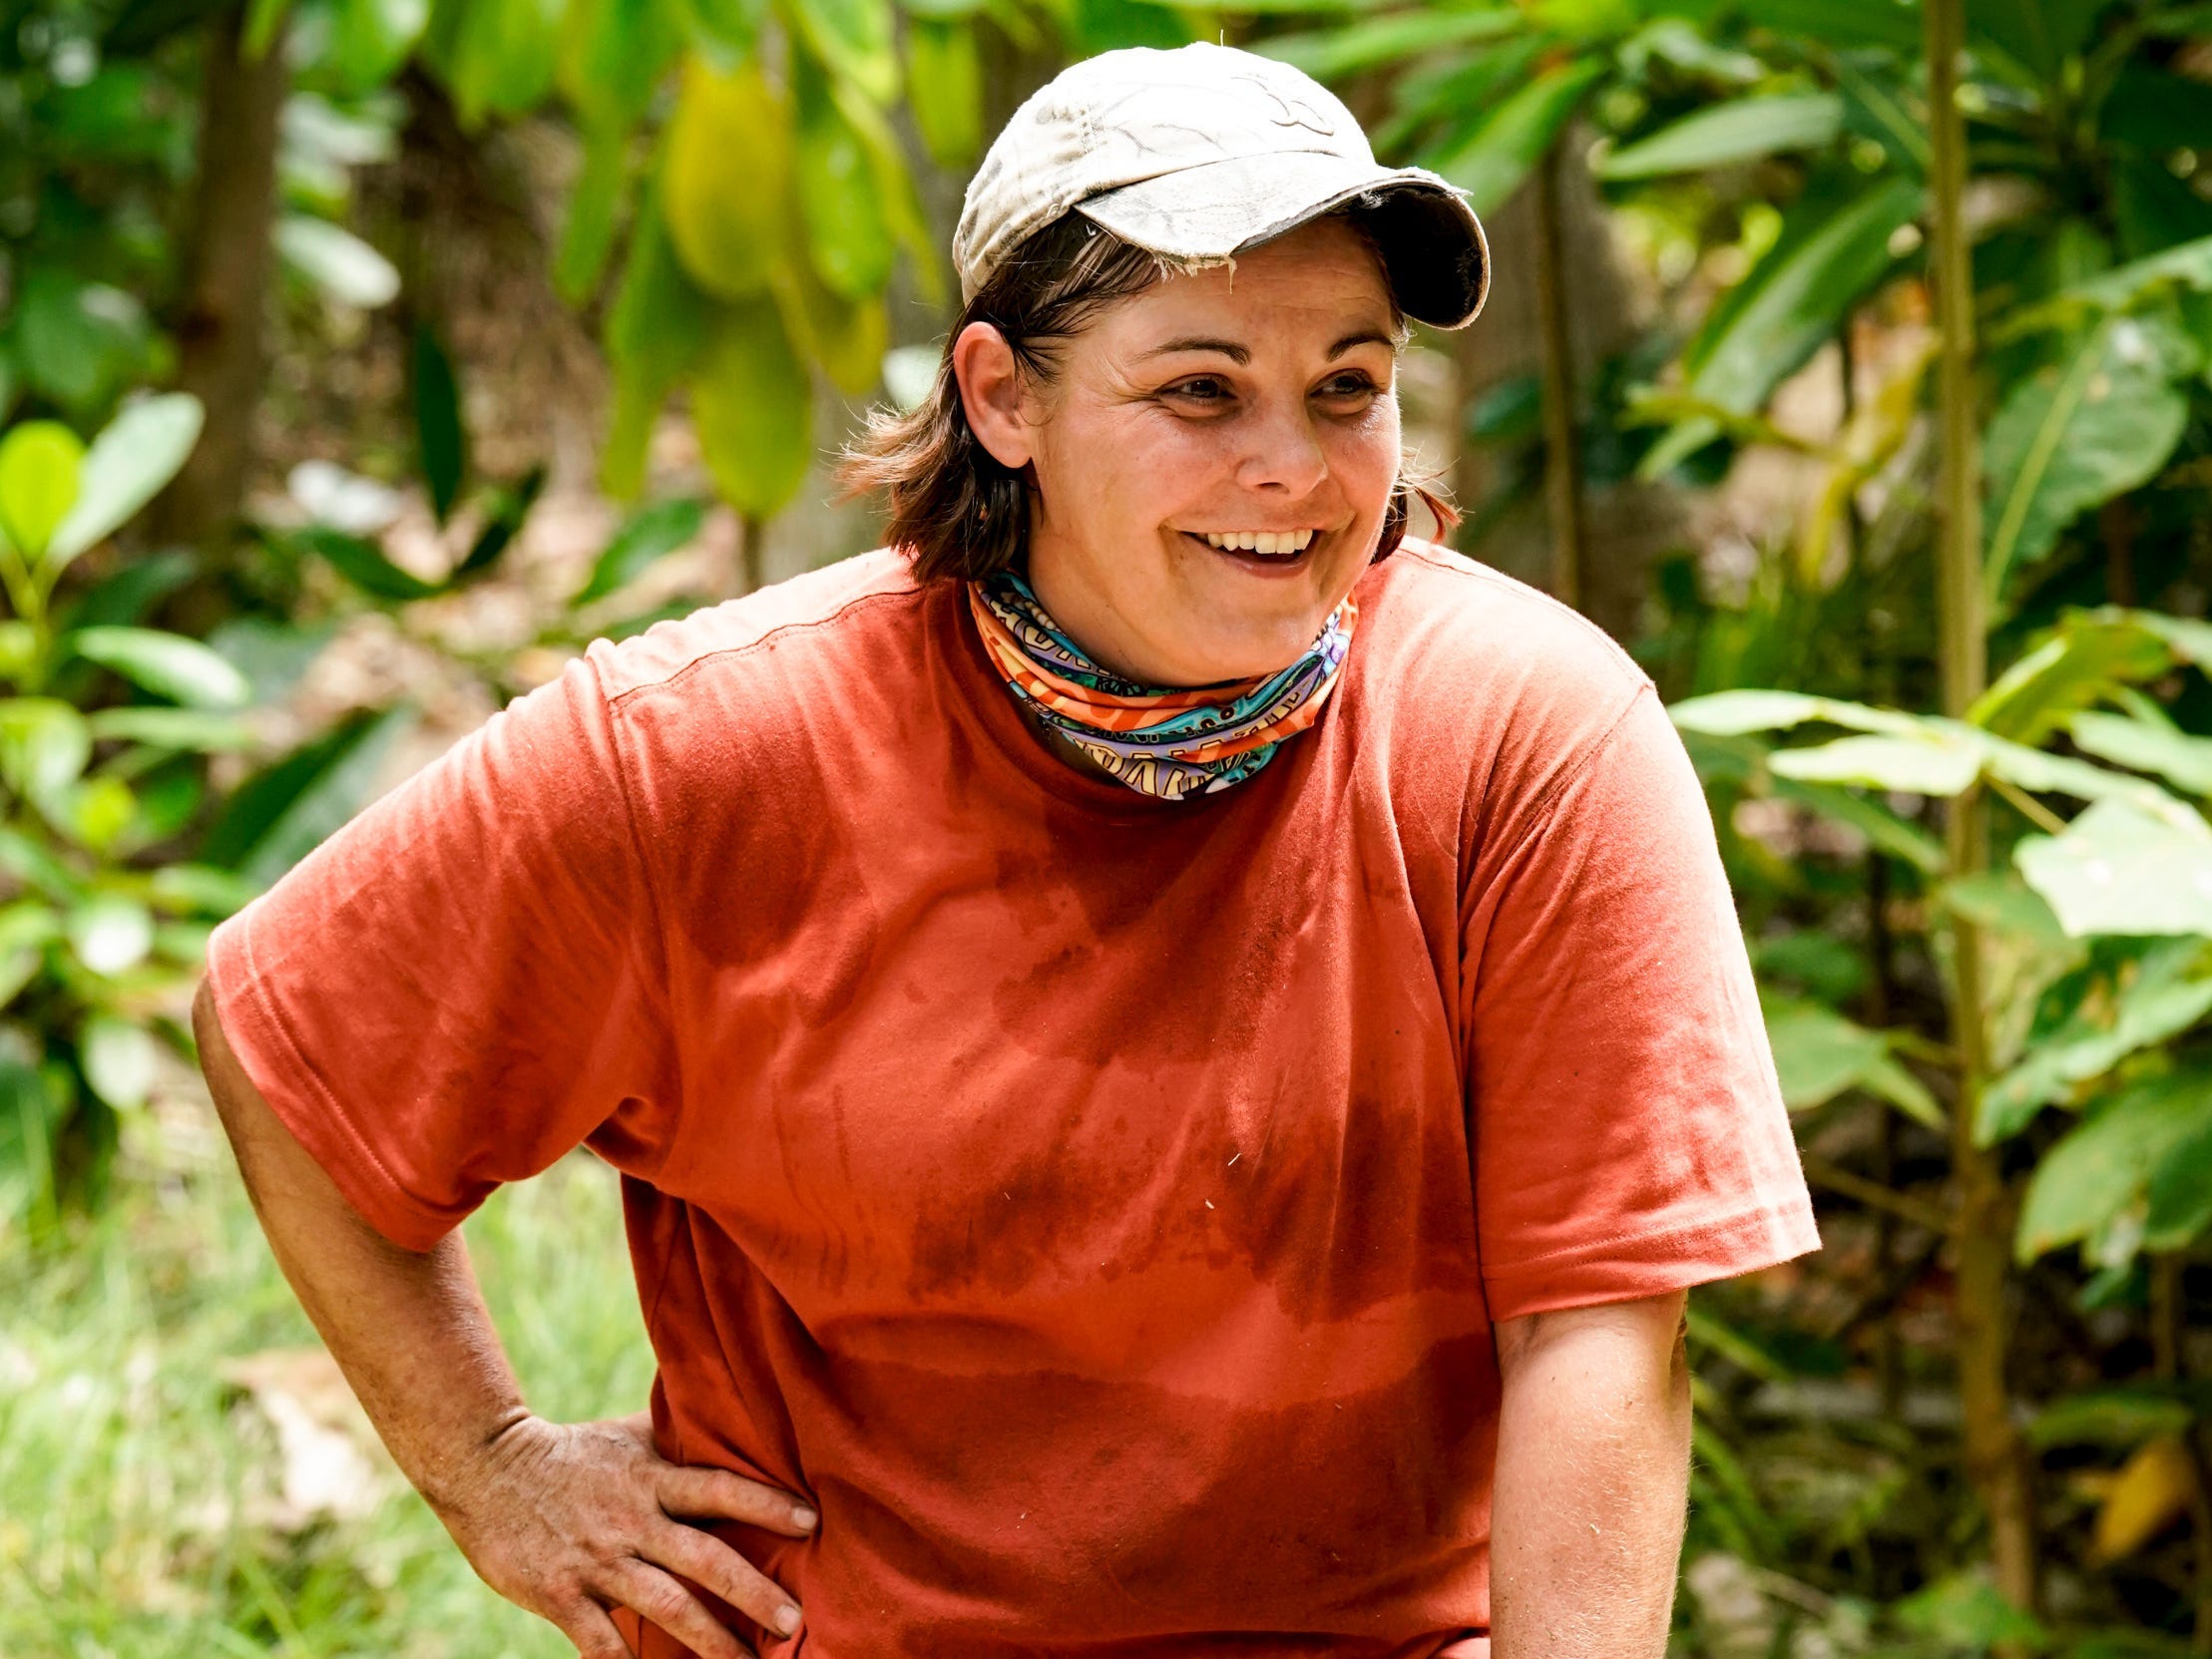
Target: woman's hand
(568, 1519)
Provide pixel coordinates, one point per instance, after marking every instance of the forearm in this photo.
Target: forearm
(1591, 1480)
(409, 1328)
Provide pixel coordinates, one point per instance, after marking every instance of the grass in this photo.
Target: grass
(134, 1481)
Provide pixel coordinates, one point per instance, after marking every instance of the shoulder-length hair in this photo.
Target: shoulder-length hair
(961, 514)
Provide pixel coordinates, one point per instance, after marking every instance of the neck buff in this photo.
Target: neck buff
(1171, 744)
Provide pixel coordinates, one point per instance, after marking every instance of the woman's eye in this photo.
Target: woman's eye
(1350, 385)
(1205, 389)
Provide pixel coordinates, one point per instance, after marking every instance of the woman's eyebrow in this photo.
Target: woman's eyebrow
(1241, 355)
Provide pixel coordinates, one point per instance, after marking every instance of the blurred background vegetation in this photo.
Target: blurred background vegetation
(1849, 360)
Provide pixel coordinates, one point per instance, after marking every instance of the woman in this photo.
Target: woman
(1171, 1050)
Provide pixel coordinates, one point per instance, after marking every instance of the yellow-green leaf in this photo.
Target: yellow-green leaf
(724, 177)
(39, 469)
(752, 405)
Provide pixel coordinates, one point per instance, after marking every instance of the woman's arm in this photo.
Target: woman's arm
(1593, 1479)
(563, 1519)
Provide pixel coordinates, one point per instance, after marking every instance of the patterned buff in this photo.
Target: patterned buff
(1172, 745)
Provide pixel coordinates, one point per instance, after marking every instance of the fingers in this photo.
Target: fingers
(585, 1624)
(705, 1560)
(718, 1491)
(682, 1614)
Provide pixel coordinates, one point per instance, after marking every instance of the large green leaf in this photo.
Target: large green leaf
(2145, 746)
(613, 55)
(1400, 37)
(848, 236)
(371, 39)
(647, 536)
(41, 469)
(944, 90)
(1829, 255)
(132, 459)
(2099, 421)
(2154, 1132)
(166, 665)
(1818, 1054)
(200, 729)
(754, 408)
(2159, 996)
(503, 56)
(1491, 162)
(1927, 764)
(725, 176)
(2121, 289)
(854, 39)
(594, 205)
(656, 329)
(1742, 131)
(2085, 662)
(2120, 869)
(1733, 714)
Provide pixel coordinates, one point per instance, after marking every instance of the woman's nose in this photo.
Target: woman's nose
(1284, 454)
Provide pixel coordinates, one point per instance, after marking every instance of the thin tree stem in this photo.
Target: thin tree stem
(1996, 1462)
(1562, 456)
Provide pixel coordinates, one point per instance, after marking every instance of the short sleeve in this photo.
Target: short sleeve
(1629, 1133)
(465, 981)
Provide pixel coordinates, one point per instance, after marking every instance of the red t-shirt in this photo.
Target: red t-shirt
(1097, 1206)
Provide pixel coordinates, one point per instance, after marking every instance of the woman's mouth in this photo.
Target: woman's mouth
(1270, 550)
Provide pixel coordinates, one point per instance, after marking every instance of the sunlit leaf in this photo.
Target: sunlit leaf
(2119, 869)
(2082, 664)
(1742, 131)
(2127, 742)
(1922, 764)
(44, 746)
(1332, 54)
(336, 261)
(41, 466)
(2154, 1490)
(166, 665)
(129, 462)
(847, 236)
(196, 729)
(110, 933)
(723, 178)
(944, 90)
(1732, 714)
(2115, 1417)
(854, 39)
(656, 330)
(370, 39)
(1818, 1053)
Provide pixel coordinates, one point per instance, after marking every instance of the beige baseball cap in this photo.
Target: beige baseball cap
(1199, 153)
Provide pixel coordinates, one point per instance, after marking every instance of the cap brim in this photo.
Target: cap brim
(1434, 250)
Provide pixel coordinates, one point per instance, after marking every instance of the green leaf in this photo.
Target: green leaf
(505, 512)
(44, 747)
(1883, 828)
(441, 437)
(189, 729)
(854, 39)
(2158, 997)
(2119, 869)
(1491, 162)
(1966, 1611)
(1742, 131)
(2118, 1418)
(118, 1058)
(730, 27)
(79, 341)
(2105, 1167)
(2143, 746)
(2096, 423)
(1925, 764)
(2155, 110)
(2121, 289)
(371, 39)
(2037, 34)
(199, 890)
(41, 466)
(361, 564)
(129, 462)
(166, 665)
(847, 235)
(1842, 23)
(337, 261)
(1733, 714)
(1818, 1054)
(754, 408)
(110, 933)
(595, 204)
(944, 90)
(613, 55)
(505, 55)
(1332, 54)
(2085, 662)
(647, 536)
(278, 816)
(1792, 302)
(723, 178)
(656, 330)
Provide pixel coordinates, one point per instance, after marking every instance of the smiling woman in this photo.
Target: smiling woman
(1174, 1048)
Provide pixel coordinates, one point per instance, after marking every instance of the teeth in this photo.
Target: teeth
(1265, 542)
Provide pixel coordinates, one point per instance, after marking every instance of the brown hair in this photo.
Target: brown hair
(958, 512)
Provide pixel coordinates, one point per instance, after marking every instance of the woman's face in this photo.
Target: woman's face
(1222, 406)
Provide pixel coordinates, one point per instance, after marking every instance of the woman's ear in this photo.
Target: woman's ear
(991, 394)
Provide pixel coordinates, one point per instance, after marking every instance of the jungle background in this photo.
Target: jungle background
(1849, 360)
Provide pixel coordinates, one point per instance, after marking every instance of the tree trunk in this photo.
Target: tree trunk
(1996, 1462)
(228, 258)
(1562, 458)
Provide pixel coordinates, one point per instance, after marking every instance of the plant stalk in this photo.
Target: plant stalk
(1563, 452)
(1995, 1462)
